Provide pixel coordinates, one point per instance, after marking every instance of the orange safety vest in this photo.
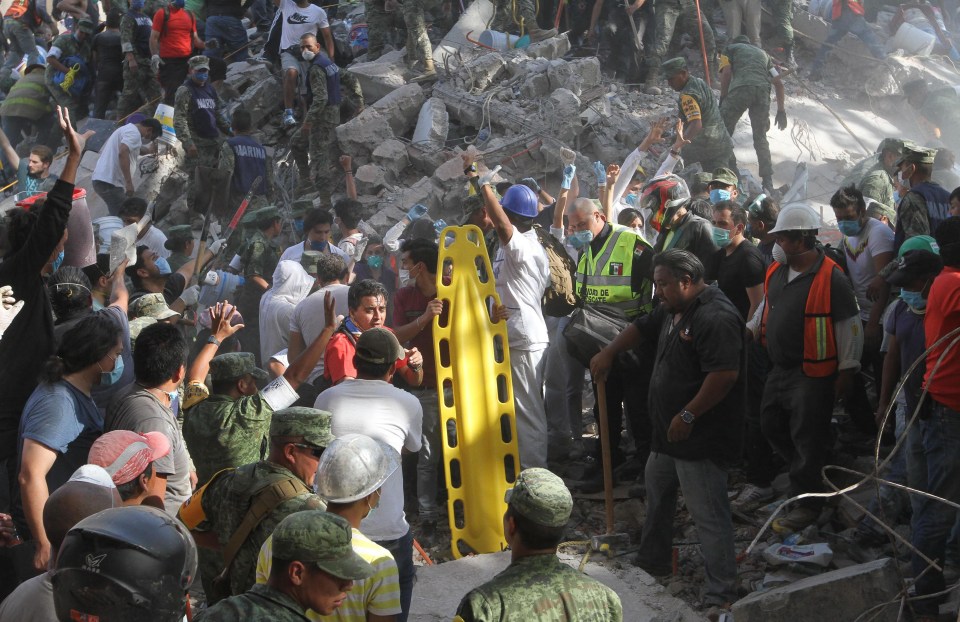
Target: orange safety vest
(819, 342)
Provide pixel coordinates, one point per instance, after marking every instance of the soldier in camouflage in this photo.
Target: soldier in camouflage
(197, 119)
(877, 183)
(783, 28)
(71, 48)
(939, 110)
(670, 15)
(380, 20)
(298, 437)
(247, 160)
(312, 546)
(153, 306)
(925, 204)
(710, 143)
(140, 86)
(258, 260)
(317, 134)
(745, 75)
(419, 49)
(537, 585)
(514, 15)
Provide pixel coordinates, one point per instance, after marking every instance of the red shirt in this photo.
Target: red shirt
(943, 315)
(338, 358)
(176, 41)
(409, 304)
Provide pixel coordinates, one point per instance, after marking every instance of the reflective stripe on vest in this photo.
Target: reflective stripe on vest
(609, 275)
(819, 342)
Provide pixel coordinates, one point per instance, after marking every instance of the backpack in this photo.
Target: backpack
(560, 297)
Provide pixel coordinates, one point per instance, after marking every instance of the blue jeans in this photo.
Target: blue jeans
(855, 25)
(402, 551)
(22, 41)
(231, 34)
(704, 486)
(933, 465)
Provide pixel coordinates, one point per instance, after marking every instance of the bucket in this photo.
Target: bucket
(103, 229)
(164, 115)
(913, 41)
(80, 249)
(498, 40)
(225, 289)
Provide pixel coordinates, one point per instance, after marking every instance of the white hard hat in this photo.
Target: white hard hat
(797, 217)
(352, 467)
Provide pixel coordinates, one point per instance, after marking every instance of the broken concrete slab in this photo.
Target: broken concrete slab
(449, 171)
(426, 158)
(845, 594)
(433, 124)
(361, 135)
(474, 20)
(392, 156)
(380, 77)
(263, 99)
(576, 76)
(400, 107)
(482, 72)
(535, 86)
(242, 74)
(554, 47)
(370, 179)
(562, 115)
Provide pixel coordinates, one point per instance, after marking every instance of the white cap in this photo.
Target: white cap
(93, 474)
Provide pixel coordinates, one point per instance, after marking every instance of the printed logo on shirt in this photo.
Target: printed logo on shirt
(616, 269)
(298, 18)
(92, 563)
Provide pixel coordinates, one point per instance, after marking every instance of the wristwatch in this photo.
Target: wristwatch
(213, 340)
(688, 417)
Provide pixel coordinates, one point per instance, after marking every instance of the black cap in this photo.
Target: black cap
(914, 265)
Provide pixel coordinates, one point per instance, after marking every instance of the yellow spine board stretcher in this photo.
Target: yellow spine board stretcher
(477, 420)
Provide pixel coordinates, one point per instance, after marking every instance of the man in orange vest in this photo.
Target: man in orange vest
(810, 326)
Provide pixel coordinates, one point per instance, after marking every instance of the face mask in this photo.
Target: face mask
(375, 261)
(406, 278)
(904, 181)
(172, 396)
(849, 227)
(580, 239)
(914, 300)
(298, 227)
(97, 305)
(631, 199)
(718, 194)
(318, 246)
(637, 230)
(109, 378)
(201, 76)
(721, 237)
(308, 55)
(779, 255)
(58, 261)
(896, 197)
(163, 266)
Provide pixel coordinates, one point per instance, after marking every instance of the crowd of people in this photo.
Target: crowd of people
(255, 418)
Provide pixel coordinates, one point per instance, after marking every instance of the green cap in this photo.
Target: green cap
(321, 538)
(137, 324)
(151, 305)
(741, 39)
(309, 261)
(312, 424)
(919, 243)
(87, 26)
(378, 346)
(875, 209)
(249, 219)
(916, 154)
(724, 176)
(891, 144)
(199, 62)
(700, 182)
(236, 365)
(301, 207)
(470, 204)
(674, 65)
(180, 232)
(542, 497)
(266, 215)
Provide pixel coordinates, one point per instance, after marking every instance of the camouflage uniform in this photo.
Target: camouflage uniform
(683, 14)
(877, 185)
(69, 46)
(225, 432)
(541, 587)
(942, 109)
(310, 537)
(140, 86)
(226, 499)
(208, 149)
(749, 90)
(259, 257)
(712, 147)
(228, 159)
(783, 24)
(379, 22)
(419, 48)
(153, 306)
(319, 139)
(509, 13)
(916, 214)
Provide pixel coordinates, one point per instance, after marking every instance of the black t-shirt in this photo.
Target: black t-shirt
(734, 273)
(106, 45)
(709, 337)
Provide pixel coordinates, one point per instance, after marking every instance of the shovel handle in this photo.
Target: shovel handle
(605, 454)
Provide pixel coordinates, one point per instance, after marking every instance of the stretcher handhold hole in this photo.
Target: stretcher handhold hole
(481, 269)
(502, 388)
(448, 393)
(451, 433)
(459, 516)
(498, 348)
(509, 468)
(505, 432)
(455, 480)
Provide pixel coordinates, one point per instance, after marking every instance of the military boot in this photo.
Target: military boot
(653, 78)
(429, 72)
(539, 34)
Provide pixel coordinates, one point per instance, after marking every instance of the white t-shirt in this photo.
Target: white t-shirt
(383, 412)
(154, 239)
(298, 21)
(875, 239)
(295, 252)
(522, 273)
(108, 166)
(308, 317)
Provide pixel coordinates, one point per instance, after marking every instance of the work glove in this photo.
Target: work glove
(600, 172)
(416, 212)
(8, 309)
(487, 177)
(532, 182)
(211, 279)
(568, 172)
(781, 120)
(567, 156)
(155, 63)
(216, 246)
(191, 295)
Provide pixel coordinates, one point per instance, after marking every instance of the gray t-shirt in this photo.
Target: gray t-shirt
(138, 410)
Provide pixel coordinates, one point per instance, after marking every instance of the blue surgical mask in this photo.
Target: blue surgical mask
(375, 261)
(172, 396)
(109, 378)
(318, 246)
(202, 76)
(721, 237)
(914, 300)
(58, 262)
(631, 199)
(719, 194)
(298, 226)
(97, 305)
(849, 227)
(580, 239)
(163, 266)
(896, 198)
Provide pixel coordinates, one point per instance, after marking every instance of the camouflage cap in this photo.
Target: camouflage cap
(309, 261)
(470, 204)
(378, 346)
(180, 232)
(700, 182)
(301, 207)
(321, 538)
(890, 144)
(299, 421)
(249, 219)
(87, 26)
(724, 176)
(674, 65)
(138, 324)
(199, 62)
(875, 209)
(151, 305)
(267, 215)
(542, 497)
(916, 154)
(236, 365)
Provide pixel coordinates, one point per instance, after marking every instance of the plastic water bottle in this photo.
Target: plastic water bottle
(439, 226)
(416, 212)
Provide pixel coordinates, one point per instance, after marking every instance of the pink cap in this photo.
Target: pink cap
(125, 454)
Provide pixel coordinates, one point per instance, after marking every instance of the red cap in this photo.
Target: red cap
(125, 454)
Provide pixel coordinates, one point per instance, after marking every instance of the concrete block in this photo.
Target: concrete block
(242, 74)
(263, 99)
(392, 156)
(386, 215)
(400, 107)
(449, 171)
(484, 71)
(576, 76)
(433, 124)
(536, 85)
(549, 48)
(562, 114)
(361, 135)
(427, 158)
(370, 178)
(424, 191)
(845, 594)
(380, 77)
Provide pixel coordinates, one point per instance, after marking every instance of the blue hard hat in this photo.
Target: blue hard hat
(520, 200)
